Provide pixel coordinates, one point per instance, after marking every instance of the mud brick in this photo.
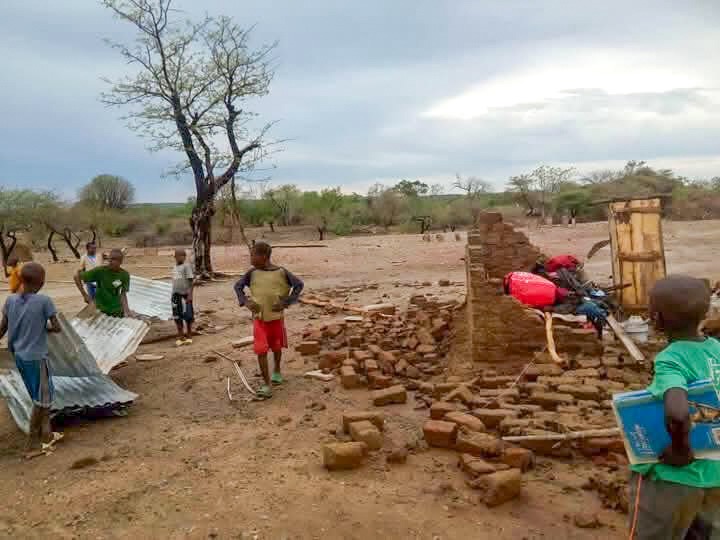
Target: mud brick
(468, 421)
(488, 219)
(583, 391)
(412, 342)
(371, 365)
(608, 386)
(439, 409)
(307, 348)
(444, 388)
(425, 349)
(602, 444)
(461, 393)
(377, 380)
(352, 363)
(366, 432)
(331, 359)
(518, 458)
(348, 455)
(615, 374)
(588, 404)
(374, 350)
(516, 425)
(479, 444)
(550, 400)
(534, 387)
(499, 381)
(474, 466)
(361, 356)
(413, 372)
(386, 356)
(333, 330)
(569, 409)
(401, 366)
(492, 417)
(498, 487)
(427, 388)
(430, 357)
(355, 341)
(632, 377)
(376, 417)
(388, 396)
(557, 381)
(440, 433)
(523, 409)
(611, 361)
(314, 335)
(349, 378)
(586, 363)
(583, 373)
(550, 370)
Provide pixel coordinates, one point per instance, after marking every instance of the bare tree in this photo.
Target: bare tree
(385, 205)
(190, 94)
(538, 189)
(283, 200)
(523, 185)
(474, 188)
(107, 192)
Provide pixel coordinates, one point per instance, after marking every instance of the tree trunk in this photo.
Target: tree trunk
(452, 228)
(67, 236)
(201, 225)
(50, 247)
(321, 231)
(272, 226)
(6, 250)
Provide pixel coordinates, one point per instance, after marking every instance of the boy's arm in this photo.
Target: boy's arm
(3, 326)
(191, 280)
(78, 278)
(296, 287)
(240, 288)
(123, 296)
(677, 423)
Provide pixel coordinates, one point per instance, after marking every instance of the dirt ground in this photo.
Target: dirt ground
(188, 463)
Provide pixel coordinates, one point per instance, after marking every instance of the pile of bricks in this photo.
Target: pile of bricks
(381, 351)
(365, 429)
(496, 320)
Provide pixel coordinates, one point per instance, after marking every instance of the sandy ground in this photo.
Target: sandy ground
(188, 463)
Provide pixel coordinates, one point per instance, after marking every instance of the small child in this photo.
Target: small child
(87, 263)
(666, 497)
(182, 297)
(25, 318)
(272, 289)
(14, 282)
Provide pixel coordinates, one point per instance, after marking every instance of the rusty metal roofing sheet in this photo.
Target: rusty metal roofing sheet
(150, 297)
(73, 395)
(109, 340)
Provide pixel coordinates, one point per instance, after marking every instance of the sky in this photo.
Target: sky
(383, 90)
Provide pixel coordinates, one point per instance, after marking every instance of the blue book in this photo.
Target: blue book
(641, 418)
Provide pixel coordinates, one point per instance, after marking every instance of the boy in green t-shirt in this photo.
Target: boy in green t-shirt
(666, 497)
(112, 284)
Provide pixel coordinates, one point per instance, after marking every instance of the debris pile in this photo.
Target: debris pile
(384, 348)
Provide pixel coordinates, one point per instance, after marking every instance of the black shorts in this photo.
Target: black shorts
(182, 310)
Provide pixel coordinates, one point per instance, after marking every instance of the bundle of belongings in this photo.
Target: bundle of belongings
(559, 284)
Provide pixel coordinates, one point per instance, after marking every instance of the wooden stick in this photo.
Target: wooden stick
(573, 435)
(625, 339)
(239, 372)
(551, 339)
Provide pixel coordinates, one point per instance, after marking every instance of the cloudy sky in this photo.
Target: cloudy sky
(380, 90)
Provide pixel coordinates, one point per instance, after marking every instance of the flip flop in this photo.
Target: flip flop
(277, 378)
(265, 392)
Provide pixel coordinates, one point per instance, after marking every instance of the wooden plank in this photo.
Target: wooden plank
(626, 340)
(645, 256)
(639, 210)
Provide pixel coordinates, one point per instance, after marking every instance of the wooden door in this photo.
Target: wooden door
(638, 255)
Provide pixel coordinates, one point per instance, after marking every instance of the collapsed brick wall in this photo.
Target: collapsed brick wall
(502, 330)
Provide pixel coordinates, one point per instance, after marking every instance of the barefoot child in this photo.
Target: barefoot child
(25, 318)
(272, 289)
(87, 263)
(182, 298)
(666, 497)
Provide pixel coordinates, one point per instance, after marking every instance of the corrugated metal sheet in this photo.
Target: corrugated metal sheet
(73, 395)
(109, 340)
(150, 297)
(80, 357)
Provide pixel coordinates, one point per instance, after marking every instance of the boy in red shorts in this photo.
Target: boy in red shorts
(272, 289)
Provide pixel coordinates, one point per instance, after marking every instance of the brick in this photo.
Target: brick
(376, 417)
(387, 396)
(444, 388)
(371, 365)
(498, 487)
(331, 359)
(425, 349)
(333, 330)
(569, 409)
(307, 348)
(412, 372)
(551, 399)
(582, 391)
(348, 455)
(440, 433)
(551, 370)
(524, 409)
(492, 417)
(349, 378)
(474, 466)
(557, 381)
(461, 393)
(352, 363)
(427, 388)
(361, 356)
(465, 420)
(499, 381)
(426, 338)
(386, 356)
(377, 380)
(479, 444)
(439, 409)
(589, 363)
(519, 458)
(374, 350)
(355, 341)
(513, 426)
(366, 432)
(582, 373)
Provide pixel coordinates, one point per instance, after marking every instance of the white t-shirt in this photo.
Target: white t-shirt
(88, 262)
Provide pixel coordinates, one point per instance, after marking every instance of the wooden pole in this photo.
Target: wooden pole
(573, 435)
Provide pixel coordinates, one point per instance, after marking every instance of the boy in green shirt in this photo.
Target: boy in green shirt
(112, 284)
(666, 497)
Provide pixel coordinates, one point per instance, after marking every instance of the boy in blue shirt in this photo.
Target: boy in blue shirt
(25, 320)
(666, 497)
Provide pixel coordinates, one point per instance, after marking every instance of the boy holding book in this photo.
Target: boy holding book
(667, 497)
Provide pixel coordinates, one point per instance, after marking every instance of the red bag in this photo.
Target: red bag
(562, 261)
(531, 289)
